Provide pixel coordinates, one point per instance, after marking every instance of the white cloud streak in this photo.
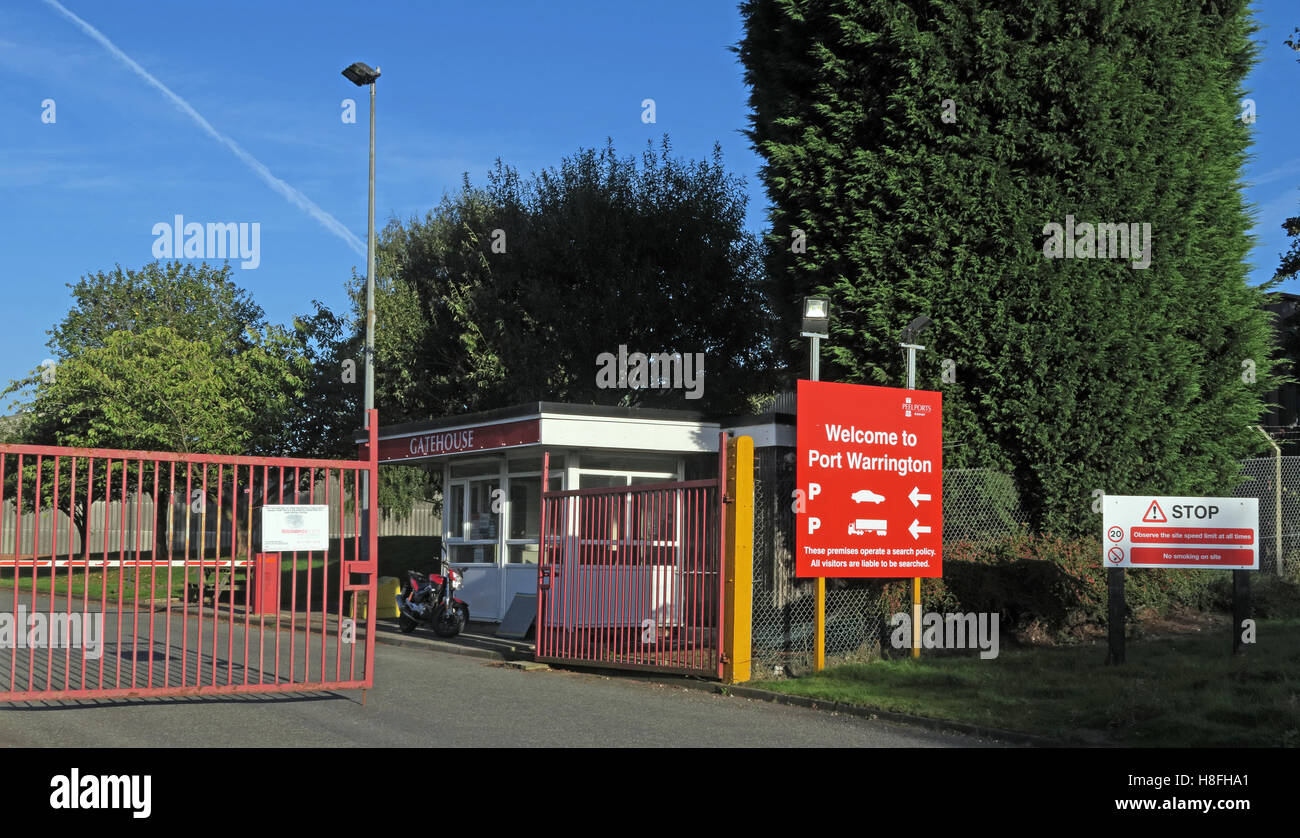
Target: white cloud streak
(294, 197)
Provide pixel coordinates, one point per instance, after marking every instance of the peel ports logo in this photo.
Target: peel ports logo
(910, 409)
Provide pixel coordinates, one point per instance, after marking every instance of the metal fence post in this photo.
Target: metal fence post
(372, 540)
(739, 560)
(1277, 501)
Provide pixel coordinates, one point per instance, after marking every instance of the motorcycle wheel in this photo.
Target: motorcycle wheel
(449, 625)
(406, 624)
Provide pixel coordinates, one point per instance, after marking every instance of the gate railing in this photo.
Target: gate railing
(189, 604)
(631, 576)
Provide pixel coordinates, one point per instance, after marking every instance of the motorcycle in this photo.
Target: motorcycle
(429, 600)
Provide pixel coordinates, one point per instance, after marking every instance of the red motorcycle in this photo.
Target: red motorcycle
(429, 600)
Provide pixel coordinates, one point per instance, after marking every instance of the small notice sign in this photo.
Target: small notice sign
(290, 527)
(1180, 532)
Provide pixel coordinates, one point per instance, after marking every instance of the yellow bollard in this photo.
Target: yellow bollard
(916, 617)
(820, 620)
(739, 560)
(386, 591)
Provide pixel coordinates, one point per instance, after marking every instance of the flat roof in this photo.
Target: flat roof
(577, 426)
(533, 410)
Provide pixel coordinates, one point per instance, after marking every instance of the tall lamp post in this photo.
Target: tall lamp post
(908, 340)
(361, 75)
(816, 325)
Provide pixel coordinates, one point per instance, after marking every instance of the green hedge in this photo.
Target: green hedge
(1052, 584)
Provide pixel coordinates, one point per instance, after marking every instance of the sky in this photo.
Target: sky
(232, 112)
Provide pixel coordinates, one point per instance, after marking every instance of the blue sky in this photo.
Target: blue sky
(463, 84)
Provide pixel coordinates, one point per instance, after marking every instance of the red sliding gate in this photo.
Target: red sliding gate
(135, 573)
(630, 577)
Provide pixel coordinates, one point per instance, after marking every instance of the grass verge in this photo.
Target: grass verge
(1183, 691)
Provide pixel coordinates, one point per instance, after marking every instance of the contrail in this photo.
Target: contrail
(326, 220)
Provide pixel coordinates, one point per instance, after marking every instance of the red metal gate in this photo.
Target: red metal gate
(631, 577)
(134, 573)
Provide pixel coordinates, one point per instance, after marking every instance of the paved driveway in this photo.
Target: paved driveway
(424, 698)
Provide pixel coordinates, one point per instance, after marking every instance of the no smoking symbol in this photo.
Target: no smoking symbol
(1115, 533)
(1116, 555)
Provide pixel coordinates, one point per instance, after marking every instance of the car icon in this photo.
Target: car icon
(867, 496)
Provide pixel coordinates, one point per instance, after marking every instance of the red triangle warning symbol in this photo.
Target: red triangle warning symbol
(1155, 515)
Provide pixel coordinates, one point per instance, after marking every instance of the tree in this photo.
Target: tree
(170, 358)
(510, 293)
(919, 150)
(1289, 268)
(324, 421)
(198, 302)
(154, 390)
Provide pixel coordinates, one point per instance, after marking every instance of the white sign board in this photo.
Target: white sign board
(290, 527)
(1176, 532)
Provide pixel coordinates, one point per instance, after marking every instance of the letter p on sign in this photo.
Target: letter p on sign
(814, 489)
(813, 524)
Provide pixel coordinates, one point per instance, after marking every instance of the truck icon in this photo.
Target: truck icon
(862, 526)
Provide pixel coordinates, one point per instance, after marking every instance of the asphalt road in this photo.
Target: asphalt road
(183, 647)
(429, 699)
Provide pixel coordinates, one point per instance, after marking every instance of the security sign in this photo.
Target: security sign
(870, 471)
(1179, 532)
(291, 527)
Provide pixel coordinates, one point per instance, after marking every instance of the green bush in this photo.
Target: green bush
(1052, 584)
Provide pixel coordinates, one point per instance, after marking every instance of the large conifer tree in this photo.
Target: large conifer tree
(1074, 374)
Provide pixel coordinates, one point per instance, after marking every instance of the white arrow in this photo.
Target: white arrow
(916, 497)
(917, 528)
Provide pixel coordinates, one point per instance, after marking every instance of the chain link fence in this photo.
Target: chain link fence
(977, 505)
(1261, 482)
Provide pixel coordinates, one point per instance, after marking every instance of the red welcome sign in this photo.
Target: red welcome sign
(871, 471)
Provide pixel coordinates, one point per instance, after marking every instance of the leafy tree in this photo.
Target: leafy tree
(920, 147)
(198, 302)
(170, 358)
(155, 390)
(322, 422)
(509, 293)
(1289, 268)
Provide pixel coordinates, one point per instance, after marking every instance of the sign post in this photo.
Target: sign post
(1147, 531)
(817, 325)
(819, 618)
(1240, 608)
(870, 467)
(1117, 608)
(916, 580)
